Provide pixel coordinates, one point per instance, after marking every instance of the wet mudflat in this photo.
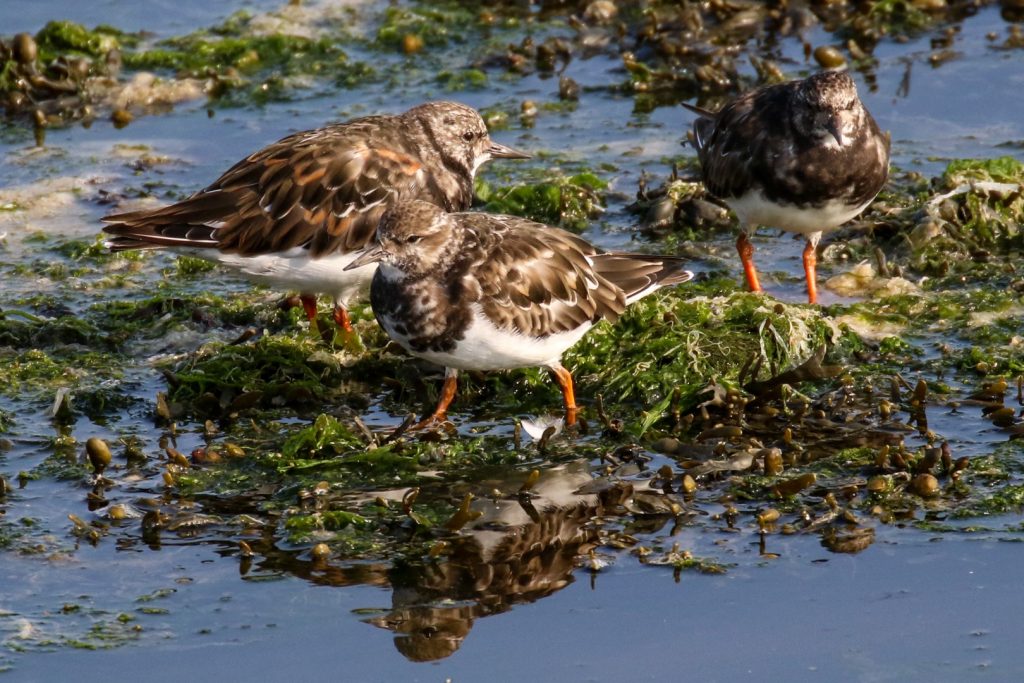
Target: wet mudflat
(857, 518)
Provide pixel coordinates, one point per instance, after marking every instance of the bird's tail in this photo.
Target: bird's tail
(638, 275)
(702, 127)
(700, 111)
(141, 230)
(116, 244)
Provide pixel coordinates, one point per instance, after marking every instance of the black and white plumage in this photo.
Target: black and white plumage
(804, 156)
(295, 213)
(477, 291)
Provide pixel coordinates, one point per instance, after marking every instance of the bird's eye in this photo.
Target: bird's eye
(468, 136)
(412, 239)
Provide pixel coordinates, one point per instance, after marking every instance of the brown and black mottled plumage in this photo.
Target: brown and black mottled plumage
(322, 191)
(766, 139)
(804, 156)
(478, 291)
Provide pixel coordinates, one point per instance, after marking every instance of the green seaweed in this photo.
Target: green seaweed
(239, 55)
(64, 37)
(38, 371)
(434, 25)
(329, 520)
(1007, 499)
(1000, 169)
(677, 341)
(978, 223)
(295, 369)
(464, 79)
(566, 201)
(897, 16)
(326, 437)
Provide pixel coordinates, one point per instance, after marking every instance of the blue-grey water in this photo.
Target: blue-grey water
(913, 606)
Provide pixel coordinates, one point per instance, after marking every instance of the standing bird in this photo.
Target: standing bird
(295, 213)
(804, 156)
(477, 291)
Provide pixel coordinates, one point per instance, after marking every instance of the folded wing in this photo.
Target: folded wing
(544, 281)
(324, 190)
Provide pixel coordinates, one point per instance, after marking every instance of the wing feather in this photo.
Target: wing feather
(323, 190)
(539, 280)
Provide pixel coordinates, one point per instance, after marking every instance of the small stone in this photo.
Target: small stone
(121, 117)
(24, 49)
(99, 453)
(925, 485)
(829, 57)
(411, 43)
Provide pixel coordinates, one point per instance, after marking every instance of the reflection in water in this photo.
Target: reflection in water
(516, 553)
(850, 539)
(523, 548)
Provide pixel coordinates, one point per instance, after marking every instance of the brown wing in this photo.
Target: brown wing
(323, 189)
(724, 146)
(638, 275)
(539, 280)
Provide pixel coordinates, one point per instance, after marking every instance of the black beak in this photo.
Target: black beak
(832, 126)
(372, 254)
(500, 151)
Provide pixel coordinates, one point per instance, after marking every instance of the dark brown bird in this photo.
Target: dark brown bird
(294, 214)
(477, 291)
(803, 156)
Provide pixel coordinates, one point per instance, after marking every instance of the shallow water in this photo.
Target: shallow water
(912, 609)
(913, 606)
(161, 17)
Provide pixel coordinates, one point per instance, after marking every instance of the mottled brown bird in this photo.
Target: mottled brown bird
(477, 291)
(295, 213)
(803, 156)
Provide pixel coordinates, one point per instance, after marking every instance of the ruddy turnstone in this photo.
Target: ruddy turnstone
(295, 213)
(477, 291)
(804, 156)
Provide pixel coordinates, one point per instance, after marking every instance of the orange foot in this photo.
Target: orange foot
(746, 251)
(810, 272)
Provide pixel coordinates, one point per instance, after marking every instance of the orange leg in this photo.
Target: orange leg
(564, 379)
(309, 305)
(746, 251)
(810, 264)
(341, 318)
(451, 382)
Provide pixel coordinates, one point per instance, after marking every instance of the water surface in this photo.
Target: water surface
(915, 605)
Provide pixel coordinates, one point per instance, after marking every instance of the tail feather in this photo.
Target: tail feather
(700, 111)
(117, 244)
(190, 223)
(202, 207)
(703, 127)
(125, 238)
(143, 235)
(638, 275)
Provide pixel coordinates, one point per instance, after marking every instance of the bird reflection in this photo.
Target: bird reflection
(522, 548)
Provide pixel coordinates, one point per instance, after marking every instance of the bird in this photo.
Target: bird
(480, 291)
(296, 212)
(804, 156)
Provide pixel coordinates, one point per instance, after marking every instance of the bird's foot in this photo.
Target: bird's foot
(433, 424)
(347, 340)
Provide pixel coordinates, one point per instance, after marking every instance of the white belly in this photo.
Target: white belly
(486, 347)
(294, 269)
(753, 209)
